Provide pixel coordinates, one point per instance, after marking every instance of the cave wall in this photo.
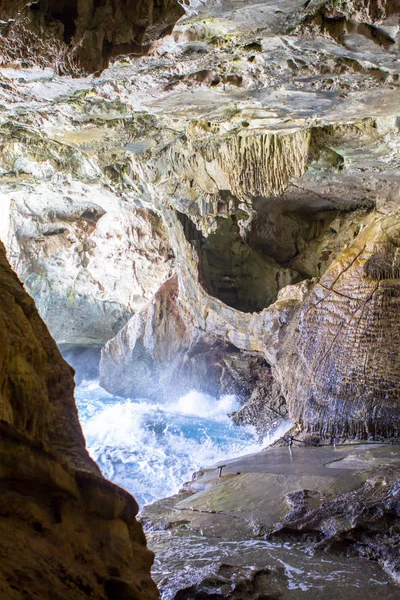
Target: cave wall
(237, 163)
(75, 36)
(64, 530)
(340, 360)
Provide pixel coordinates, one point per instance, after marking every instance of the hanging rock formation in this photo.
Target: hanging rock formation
(65, 532)
(80, 36)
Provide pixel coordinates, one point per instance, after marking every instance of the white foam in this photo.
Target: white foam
(203, 405)
(277, 433)
(151, 449)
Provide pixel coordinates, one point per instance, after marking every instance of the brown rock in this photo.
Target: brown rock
(65, 532)
(340, 360)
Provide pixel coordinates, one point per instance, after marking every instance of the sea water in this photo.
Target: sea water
(151, 449)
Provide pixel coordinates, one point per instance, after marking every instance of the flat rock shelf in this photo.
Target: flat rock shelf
(282, 524)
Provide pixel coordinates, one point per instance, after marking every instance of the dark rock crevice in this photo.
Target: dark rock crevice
(81, 37)
(233, 271)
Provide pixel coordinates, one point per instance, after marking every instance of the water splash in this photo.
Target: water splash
(150, 449)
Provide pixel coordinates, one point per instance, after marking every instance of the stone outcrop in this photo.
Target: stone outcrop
(81, 36)
(162, 353)
(331, 342)
(339, 361)
(316, 512)
(89, 263)
(64, 530)
(371, 19)
(265, 408)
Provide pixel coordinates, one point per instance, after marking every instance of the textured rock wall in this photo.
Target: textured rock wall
(64, 530)
(163, 353)
(331, 342)
(89, 266)
(206, 175)
(275, 146)
(339, 362)
(81, 35)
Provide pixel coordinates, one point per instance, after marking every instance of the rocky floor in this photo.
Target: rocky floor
(283, 524)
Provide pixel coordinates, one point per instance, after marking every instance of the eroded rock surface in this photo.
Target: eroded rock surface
(339, 360)
(88, 260)
(163, 353)
(307, 517)
(64, 530)
(76, 36)
(239, 160)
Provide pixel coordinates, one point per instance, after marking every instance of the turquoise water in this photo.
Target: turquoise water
(151, 449)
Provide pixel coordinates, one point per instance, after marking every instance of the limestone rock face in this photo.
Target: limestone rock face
(340, 360)
(162, 353)
(78, 36)
(237, 158)
(89, 262)
(64, 529)
(37, 385)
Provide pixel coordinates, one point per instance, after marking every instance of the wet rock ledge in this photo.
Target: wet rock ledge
(280, 523)
(65, 532)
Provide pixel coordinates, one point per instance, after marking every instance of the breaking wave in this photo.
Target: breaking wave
(151, 449)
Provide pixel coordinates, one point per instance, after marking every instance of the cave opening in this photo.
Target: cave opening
(245, 266)
(231, 270)
(64, 11)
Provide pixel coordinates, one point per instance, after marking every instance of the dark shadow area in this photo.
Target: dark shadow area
(65, 11)
(231, 270)
(84, 360)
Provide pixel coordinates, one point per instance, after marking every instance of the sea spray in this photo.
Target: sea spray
(150, 449)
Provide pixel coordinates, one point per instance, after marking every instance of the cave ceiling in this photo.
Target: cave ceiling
(243, 151)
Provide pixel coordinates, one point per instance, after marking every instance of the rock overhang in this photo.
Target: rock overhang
(188, 126)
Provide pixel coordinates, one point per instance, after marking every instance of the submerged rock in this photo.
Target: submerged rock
(64, 530)
(229, 582)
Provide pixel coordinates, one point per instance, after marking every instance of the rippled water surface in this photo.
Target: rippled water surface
(150, 449)
(184, 558)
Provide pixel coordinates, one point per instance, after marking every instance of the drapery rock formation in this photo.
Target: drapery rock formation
(80, 36)
(65, 532)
